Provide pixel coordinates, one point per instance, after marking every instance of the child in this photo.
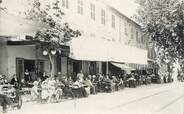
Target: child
(44, 92)
(34, 91)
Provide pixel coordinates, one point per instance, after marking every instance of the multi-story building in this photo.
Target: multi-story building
(110, 41)
(99, 22)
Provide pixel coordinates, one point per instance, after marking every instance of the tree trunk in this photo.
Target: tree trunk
(52, 65)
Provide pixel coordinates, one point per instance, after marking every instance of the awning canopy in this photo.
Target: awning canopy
(123, 66)
(15, 26)
(122, 53)
(151, 60)
(88, 49)
(93, 49)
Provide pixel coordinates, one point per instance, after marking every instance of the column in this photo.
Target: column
(107, 67)
(100, 67)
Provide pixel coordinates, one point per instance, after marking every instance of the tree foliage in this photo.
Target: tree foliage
(163, 21)
(56, 32)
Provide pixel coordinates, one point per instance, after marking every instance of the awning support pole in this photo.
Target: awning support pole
(107, 67)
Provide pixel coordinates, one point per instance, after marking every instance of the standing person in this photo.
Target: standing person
(33, 76)
(51, 88)
(27, 76)
(137, 77)
(45, 76)
(80, 76)
(59, 75)
(39, 88)
(44, 92)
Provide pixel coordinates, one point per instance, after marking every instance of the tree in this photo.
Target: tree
(163, 22)
(56, 33)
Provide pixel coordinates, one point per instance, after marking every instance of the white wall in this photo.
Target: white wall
(26, 52)
(94, 29)
(3, 60)
(86, 24)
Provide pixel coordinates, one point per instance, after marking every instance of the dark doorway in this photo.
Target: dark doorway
(30, 66)
(77, 66)
(20, 68)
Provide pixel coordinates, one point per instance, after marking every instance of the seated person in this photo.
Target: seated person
(93, 79)
(132, 78)
(58, 90)
(107, 80)
(121, 83)
(3, 80)
(115, 81)
(100, 78)
(108, 83)
(14, 80)
(89, 84)
(4, 101)
(78, 85)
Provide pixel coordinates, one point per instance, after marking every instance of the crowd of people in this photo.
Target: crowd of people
(53, 89)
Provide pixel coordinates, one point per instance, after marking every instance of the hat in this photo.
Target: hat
(94, 76)
(59, 72)
(35, 83)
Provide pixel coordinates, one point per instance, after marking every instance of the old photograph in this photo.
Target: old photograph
(91, 56)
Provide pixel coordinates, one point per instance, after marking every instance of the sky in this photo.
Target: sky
(127, 7)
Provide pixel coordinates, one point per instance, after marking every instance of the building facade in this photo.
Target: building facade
(98, 20)
(110, 43)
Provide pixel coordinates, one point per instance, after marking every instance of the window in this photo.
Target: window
(132, 32)
(143, 40)
(80, 7)
(65, 3)
(137, 36)
(92, 7)
(113, 39)
(113, 21)
(103, 16)
(125, 28)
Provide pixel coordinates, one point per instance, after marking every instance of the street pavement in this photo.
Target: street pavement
(146, 99)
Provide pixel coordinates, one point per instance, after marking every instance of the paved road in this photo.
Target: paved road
(151, 99)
